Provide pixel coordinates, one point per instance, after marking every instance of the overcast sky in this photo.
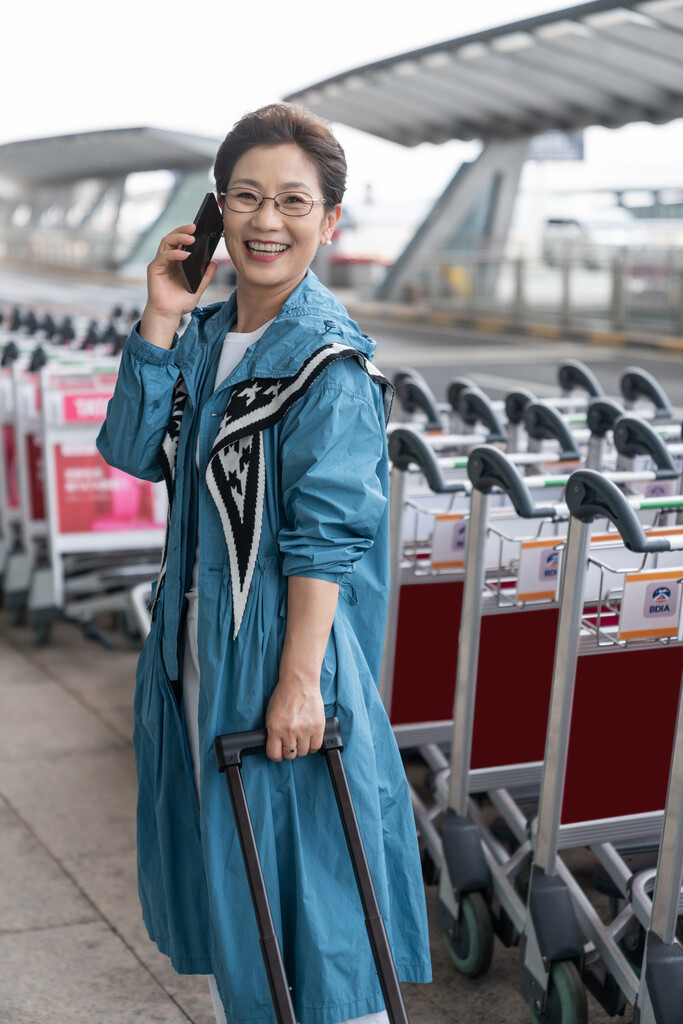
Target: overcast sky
(75, 66)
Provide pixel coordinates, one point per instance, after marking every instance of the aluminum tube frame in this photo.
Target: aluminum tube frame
(665, 901)
(396, 501)
(562, 695)
(468, 653)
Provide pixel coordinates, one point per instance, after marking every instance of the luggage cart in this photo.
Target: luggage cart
(518, 645)
(660, 997)
(105, 528)
(591, 794)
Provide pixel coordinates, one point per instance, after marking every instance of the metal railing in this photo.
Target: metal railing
(632, 289)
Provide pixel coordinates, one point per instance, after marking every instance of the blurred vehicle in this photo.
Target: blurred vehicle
(590, 240)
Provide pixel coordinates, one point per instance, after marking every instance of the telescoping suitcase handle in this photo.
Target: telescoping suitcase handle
(229, 750)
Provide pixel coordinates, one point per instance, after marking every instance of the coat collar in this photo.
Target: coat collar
(284, 347)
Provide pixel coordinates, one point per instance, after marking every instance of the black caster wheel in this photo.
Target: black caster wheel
(471, 948)
(566, 1003)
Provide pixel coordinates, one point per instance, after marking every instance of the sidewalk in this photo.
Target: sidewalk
(73, 948)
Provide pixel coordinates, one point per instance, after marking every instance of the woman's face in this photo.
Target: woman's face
(269, 249)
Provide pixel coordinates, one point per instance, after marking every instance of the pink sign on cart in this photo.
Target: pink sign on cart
(92, 496)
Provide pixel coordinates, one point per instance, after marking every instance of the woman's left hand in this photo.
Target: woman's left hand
(295, 719)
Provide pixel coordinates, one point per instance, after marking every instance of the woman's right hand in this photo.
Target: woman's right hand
(168, 298)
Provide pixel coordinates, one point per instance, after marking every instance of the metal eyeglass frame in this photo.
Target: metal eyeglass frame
(278, 206)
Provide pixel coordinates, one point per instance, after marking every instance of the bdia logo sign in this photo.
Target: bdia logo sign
(661, 601)
(459, 536)
(550, 561)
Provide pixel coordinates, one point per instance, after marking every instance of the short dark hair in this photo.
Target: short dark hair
(283, 123)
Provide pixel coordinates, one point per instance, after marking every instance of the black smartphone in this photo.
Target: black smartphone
(209, 225)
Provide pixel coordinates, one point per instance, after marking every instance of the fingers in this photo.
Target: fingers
(289, 748)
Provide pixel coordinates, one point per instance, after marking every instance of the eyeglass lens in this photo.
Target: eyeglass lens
(247, 200)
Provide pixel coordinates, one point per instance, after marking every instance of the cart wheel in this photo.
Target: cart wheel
(42, 634)
(633, 945)
(472, 948)
(566, 997)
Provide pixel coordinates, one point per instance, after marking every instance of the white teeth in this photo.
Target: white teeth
(266, 247)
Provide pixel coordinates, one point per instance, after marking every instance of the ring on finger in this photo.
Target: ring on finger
(290, 750)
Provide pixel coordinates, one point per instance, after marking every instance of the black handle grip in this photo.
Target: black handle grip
(488, 468)
(414, 393)
(544, 423)
(574, 375)
(589, 495)
(516, 403)
(475, 407)
(601, 415)
(635, 437)
(9, 353)
(407, 448)
(636, 383)
(232, 747)
(454, 389)
(38, 359)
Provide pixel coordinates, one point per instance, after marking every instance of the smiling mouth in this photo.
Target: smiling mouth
(269, 247)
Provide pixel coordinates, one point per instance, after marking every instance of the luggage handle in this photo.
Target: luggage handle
(232, 747)
(229, 750)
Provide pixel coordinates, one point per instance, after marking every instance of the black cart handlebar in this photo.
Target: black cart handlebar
(590, 495)
(636, 383)
(407, 448)
(544, 423)
(488, 468)
(632, 436)
(575, 375)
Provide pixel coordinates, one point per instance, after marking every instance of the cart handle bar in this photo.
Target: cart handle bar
(413, 392)
(633, 436)
(406, 448)
(232, 747)
(636, 383)
(542, 422)
(516, 403)
(574, 374)
(590, 495)
(601, 415)
(488, 468)
(475, 407)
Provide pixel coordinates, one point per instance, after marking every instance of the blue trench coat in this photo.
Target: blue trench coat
(326, 515)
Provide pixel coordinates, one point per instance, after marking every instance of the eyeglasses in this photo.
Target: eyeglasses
(291, 204)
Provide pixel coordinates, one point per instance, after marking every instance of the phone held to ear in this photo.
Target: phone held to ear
(209, 225)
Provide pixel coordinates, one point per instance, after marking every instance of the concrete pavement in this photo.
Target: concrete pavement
(73, 948)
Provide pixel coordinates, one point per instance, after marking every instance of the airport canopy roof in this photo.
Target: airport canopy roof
(110, 153)
(601, 63)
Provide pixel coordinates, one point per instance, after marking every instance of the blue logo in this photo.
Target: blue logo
(661, 600)
(550, 561)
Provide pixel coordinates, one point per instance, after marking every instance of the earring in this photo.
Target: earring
(328, 242)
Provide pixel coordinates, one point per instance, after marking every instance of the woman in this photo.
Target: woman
(268, 421)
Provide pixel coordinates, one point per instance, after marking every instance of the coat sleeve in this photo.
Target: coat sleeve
(333, 476)
(140, 408)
